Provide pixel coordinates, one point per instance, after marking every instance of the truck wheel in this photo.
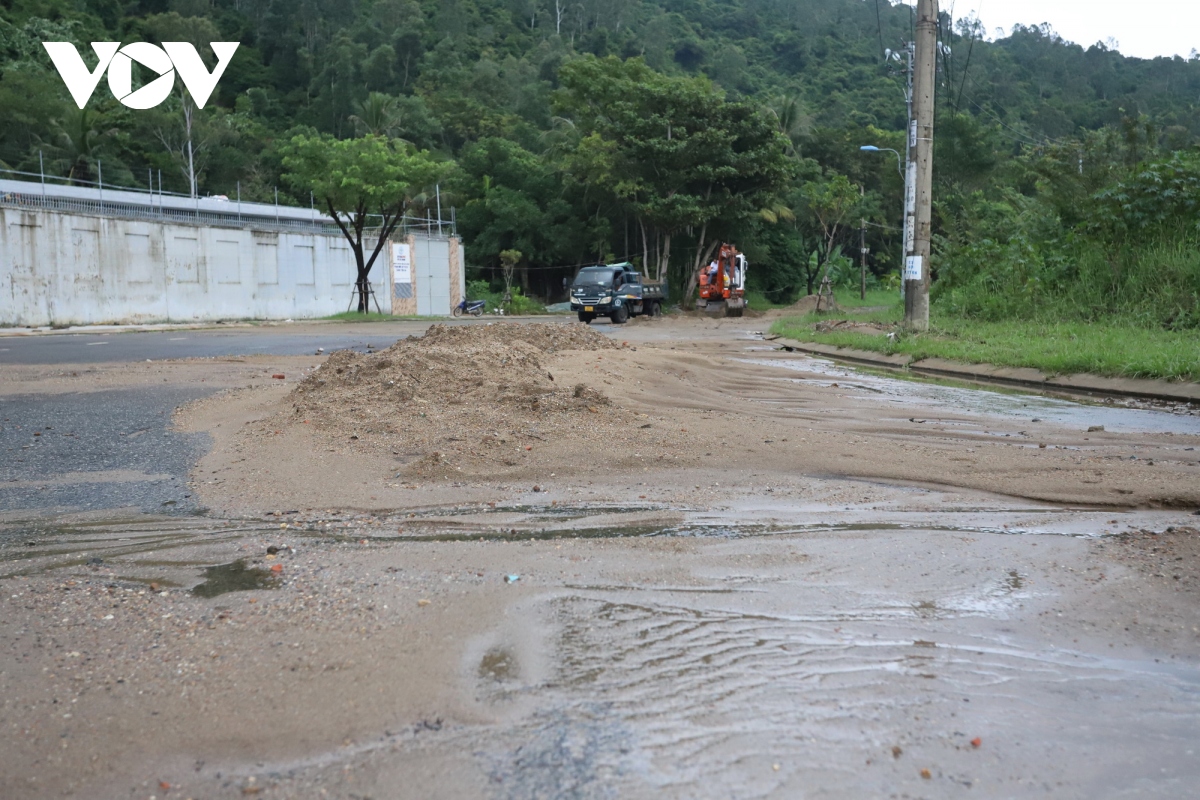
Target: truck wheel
(586, 318)
(655, 310)
(620, 316)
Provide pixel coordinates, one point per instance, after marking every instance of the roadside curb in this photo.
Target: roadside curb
(134, 328)
(1010, 376)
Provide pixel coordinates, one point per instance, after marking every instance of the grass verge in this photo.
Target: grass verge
(1115, 349)
(355, 316)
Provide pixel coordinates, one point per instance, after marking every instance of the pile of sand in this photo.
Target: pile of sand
(805, 305)
(471, 389)
(547, 338)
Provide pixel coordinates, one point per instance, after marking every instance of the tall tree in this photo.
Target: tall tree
(357, 180)
(679, 157)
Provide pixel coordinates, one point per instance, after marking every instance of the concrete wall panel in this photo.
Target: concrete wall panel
(62, 268)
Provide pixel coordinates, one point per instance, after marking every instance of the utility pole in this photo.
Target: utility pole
(920, 145)
(862, 255)
(910, 172)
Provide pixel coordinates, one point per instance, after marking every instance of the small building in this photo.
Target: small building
(73, 255)
(427, 275)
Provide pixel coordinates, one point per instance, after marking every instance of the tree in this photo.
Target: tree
(509, 260)
(831, 202)
(376, 116)
(357, 179)
(189, 135)
(674, 153)
(80, 140)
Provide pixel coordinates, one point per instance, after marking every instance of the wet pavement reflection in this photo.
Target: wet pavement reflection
(1009, 404)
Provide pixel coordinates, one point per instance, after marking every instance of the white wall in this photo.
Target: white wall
(67, 268)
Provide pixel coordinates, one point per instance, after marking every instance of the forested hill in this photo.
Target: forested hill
(479, 82)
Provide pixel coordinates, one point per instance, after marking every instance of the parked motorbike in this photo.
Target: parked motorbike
(473, 307)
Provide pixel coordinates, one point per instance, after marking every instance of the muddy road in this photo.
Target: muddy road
(726, 571)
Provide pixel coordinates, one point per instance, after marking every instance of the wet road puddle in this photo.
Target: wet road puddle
(967, 400)
(498, 664)
(234, 577)
(680, 694)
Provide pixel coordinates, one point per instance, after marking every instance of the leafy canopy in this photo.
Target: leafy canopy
(354, 177)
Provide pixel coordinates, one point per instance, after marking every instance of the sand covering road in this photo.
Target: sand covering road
(688, 408)
(457, 391)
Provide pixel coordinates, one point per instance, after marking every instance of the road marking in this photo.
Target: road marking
(89, 344)
(178, 339)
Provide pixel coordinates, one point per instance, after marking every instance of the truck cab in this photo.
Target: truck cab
(616, 291)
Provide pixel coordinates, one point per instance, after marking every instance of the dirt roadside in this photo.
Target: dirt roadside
(709, 404)
(388, 665)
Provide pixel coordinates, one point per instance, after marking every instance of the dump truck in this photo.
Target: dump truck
(723, 283)
(616, 291)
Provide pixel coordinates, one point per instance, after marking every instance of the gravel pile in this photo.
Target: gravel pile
(472, 390)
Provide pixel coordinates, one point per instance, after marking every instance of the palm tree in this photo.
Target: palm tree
(79, 141)
(792, 120)
(378, 115)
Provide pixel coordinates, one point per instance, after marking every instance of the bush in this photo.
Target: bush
(522, 305)
(519, 305)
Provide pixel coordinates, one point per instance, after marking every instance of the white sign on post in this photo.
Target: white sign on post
(401, 264)
(913, 268)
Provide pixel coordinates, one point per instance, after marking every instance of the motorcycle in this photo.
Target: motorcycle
(473, 307)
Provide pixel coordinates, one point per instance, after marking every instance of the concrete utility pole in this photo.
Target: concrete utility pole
(862, 259)
(920, 145)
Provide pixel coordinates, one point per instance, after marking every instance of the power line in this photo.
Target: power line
(1022, 138)
(967, 69)
(879, 27)
(626, 258)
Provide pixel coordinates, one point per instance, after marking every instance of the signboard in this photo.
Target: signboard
(913, 268)
(401, 264)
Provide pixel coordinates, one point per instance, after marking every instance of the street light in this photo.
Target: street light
(909, 228)
(870, 148)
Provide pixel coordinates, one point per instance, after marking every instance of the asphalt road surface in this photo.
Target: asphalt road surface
(97, 450)
(283, 340)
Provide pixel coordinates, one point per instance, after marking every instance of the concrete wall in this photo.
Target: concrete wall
(74, 268)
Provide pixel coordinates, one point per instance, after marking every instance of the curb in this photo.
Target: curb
(44, 330)
(1023, 377)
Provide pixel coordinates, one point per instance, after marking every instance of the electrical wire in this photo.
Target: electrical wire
(1019, 136)
(879, 28)
(626, 259)
(967, 69)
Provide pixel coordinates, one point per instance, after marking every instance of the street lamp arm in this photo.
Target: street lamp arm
(870, 148)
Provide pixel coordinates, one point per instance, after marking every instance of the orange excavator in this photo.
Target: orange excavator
(723, 283)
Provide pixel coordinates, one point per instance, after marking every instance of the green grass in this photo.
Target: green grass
(848, 298)
(1118, 349)
(757, 301)
(355, 316)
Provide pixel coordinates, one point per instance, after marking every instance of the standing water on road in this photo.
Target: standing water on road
(940, 397)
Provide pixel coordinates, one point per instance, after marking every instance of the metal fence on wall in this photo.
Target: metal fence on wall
(141, 204)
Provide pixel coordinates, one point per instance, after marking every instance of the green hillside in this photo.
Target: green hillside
(592, 130)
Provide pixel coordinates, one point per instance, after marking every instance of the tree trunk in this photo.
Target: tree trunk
(364, 294)
(645, 250)
(664, 257)
(702, 256)
(187, 118)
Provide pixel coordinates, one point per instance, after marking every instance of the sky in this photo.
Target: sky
(1144, 28)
